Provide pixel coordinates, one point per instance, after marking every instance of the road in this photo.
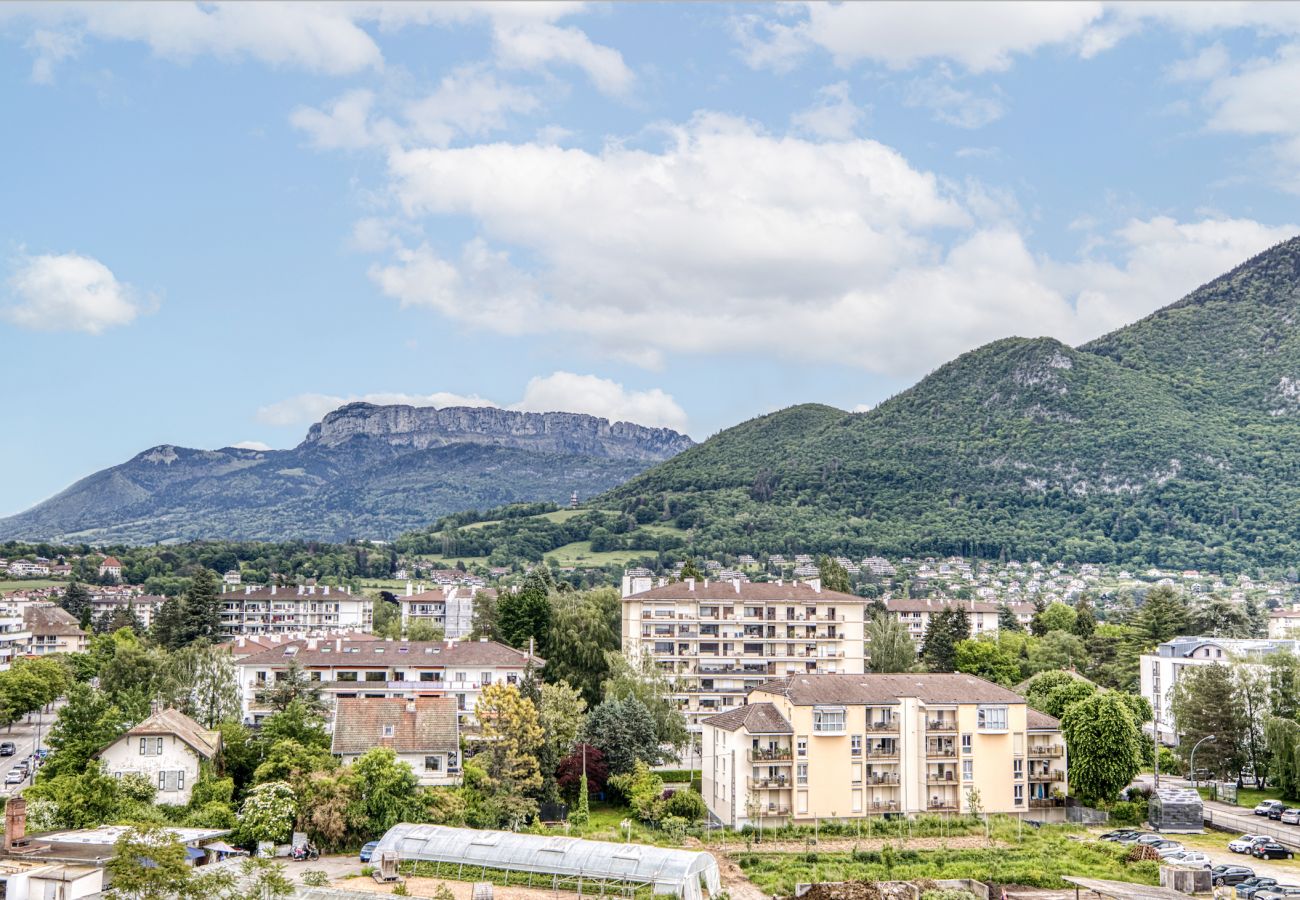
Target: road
(1237, 818)
(23, 734)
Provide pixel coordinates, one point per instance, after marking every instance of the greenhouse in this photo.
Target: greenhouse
(556, 862)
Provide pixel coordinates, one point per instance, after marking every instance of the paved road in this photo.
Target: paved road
(23, 734)
(1237, 818)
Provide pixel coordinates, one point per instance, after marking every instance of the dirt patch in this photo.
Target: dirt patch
(858, 890)
(847, 845)
(418, 886)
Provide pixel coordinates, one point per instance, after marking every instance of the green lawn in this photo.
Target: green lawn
(1248, 797)
(17, 584)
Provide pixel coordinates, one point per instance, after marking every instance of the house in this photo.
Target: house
(232, 577)
(105, 605)
(843, 746)
(111, 567)
(373, 669)
(22, 568)
(53, 630)
(167, 748)
(1284, 623)
(14, 636)
(423, 732)
(716, 639)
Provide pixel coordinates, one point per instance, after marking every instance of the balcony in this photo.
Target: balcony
(1044, 802)
(889, 725)
(772, 810)
(882, 778)
(941, 725)
(780, 782)
(880, 754)
(884, 805)
(1054, 775)
(941, 778)
(941, 752)
(942, 806)
(1052, 751)
(779, 754)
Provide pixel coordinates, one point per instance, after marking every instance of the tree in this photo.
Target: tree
(1282, 738)
(296, 722)
(1085, 618)
(624, 732)
(149, 863)
(560, 712)
(585, 762)
(1056, 650)
(424, 630)
(1105, 746)
(834, 577)
(987, 659)
(268, 813)
(641, 789)
(584, 628)
(1250, 683)
(1036, 626)
(1060, 699)
(1057, 617)
(130, 679)
(76, 600)
(330, 812)
(292, 685)
(387, 791)
(512, 737)
(200, 680)
(1007, 620)
(525, 615)
(1204, 702)
(939, 646)
(485, 619)
(889, 646)
(646, 682)
(202, 607)
(169, 624)
(690, 570)
(1163, 616)
(1219, 617)
(1043, 684)
(292, 762)
(1283, 669)
(86, 724)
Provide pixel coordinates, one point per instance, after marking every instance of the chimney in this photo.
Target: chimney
(15, 823)
(410, 706)
(690, 584)
(409, 589)
(530, 647)
(327, 590)
(338, 645)
(272, 590)
(735, 582)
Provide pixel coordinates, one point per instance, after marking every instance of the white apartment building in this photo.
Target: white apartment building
(1284, 623)
(983, 616)
(717, 640)
(1160, 670)
(449, 606)
(15, 639)
(145, 606)
(371, 668)
(278, 610)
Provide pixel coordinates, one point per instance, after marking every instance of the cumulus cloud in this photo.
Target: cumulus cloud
(834, 115)
(950, 104)
(252, 445)
(68, 292)
(557, 392)
(706, 245)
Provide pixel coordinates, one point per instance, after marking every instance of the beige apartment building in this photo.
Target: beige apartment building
(841, 746)
(718, 640)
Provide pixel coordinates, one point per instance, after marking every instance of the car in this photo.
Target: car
(1266, 808)
(1290, 816)
(1119, 834)
(1194, 858)
(1148, 837)
(1271, 850)
(1226, 875)
(1245, 890)
(1244, 843)
(1167, 848)
(1131, 837)
(15, 777)
(368, 850)
(7, 748)
(1278, 892)
(1276, 812)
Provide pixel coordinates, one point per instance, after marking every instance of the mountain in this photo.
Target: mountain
(1173, 441)
(362, 471)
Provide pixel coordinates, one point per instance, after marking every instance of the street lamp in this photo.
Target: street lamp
(1191, 763)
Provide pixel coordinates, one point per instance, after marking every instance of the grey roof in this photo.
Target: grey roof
(670, 871)
(174, 722)
(423, 725)
(756, 718)
(1041, 721)
(743, 591)
(350, 653)
(48, 619)
(810, 690)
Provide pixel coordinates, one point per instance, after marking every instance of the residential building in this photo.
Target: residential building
(167, 748)
(1160, 671)
(53, 630)
(1284, 623)
(717, 640)
(277, 610)
(423, 732)
(847, 746)
(21, 568)
(232, 577)
(14, 636)
(448, 606)
(983, 616)
(111, 567)
(103, 606)
(376, 669)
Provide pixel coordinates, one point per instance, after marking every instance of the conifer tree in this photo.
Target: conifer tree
(1085, 620)
(1007, 620)
(202, 608)
(76, 600)
(834, 576)
(169, 623)
(526, 613)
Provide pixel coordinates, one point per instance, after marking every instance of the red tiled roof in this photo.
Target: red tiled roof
(423, 725)
(756, 718)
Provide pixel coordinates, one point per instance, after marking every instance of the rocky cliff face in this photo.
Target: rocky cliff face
(421, 428)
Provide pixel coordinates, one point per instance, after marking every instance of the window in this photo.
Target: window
(512, 678)
(802, 808)
(1018, 768)
(828, 720)
(485, 678)
(802, 744)
(857, 773)
(346, 676)
(151, 746)
(993, 718)
(376, 676)
(967, 769)
(1018, 794)
(180, 780)
(433, 763)
(857, 800)
(855, 745)
(388, 731)
(460, 702)
(966, 744)
(801, 773)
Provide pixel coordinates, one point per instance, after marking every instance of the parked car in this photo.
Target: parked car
(15, 777)
(367, 850)
(1290, 816)
(1193, 858)
(1228, 875)
(1132, 837)
(1266, 808)
(1148, 837)
(1119, 834)
(1271, 850)
(7, 748)
(1245, 890)
(1278, 892)
(1245, 842)
(1165, 848)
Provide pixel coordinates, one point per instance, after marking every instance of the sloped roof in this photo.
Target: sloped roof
(111, 561)
(745, 591)
(173, 721)
(810, 690)
(756, 718)
(1041, 721)
(423, 725)
(362, 653)
(48, 619)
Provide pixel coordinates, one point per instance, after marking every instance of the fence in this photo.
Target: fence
(1084, 815)
(1252, 824)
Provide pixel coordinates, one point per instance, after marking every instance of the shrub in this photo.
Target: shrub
(1128, 813)
(442, 892)
(686, 805)
(315, 878)
(400, 889)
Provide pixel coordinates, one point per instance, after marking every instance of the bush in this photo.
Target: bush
(1128, 813)
(400, 889)
(686, 805)
(315, 878)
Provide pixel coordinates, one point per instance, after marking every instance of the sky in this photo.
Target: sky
(220, 221)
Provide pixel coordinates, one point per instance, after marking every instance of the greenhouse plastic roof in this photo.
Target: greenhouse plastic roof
(670, 871)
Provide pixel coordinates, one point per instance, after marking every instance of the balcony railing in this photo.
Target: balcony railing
(941, 778)
(887, 725)
(780, 781)
(941, 725)
(778, 754)
(942, 806)
(1054, 775)
(1043, 802)
(941, 752)
(883, 778)
(884, 805)
(1052, 751)
(882, 754)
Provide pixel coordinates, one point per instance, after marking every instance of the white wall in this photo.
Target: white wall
(177, 756)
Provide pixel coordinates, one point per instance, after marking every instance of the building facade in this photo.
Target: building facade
(378, 669)
(717, 640)
(915, 614)
(848, 746)
(14, 636)
(279, 610)
(53, 630)
(167, 748)
(424, 733)
(448, 606)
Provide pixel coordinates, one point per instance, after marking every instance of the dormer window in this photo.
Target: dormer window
(388, 731)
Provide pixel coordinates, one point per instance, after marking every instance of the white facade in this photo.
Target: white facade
(15, 639)
(279, 610)
(168, 762)
(449, 606)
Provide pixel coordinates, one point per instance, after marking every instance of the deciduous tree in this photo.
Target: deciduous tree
(1104, 744)
(889, 645)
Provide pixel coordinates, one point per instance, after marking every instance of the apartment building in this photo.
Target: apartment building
(1284, 623)
(53, 630)
(103, 606)
(377, 669)
(1160, 671)
(14, 636)
(717, 640)
(448, 606)
(915, 614)
(278, 610)
(847, 746)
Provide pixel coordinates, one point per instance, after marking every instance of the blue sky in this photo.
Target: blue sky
(218, 222)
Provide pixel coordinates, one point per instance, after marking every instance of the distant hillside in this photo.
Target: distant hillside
(363, 471)
(1173, 441)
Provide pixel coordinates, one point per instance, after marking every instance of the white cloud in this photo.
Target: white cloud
(1207, 64)
(950, 104)
(833, 116)
(48, 49)
(534, 45)
(706, 245)
(557, 392)
(252, 445)
(68, 292)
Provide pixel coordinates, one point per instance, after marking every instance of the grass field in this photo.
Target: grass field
(559, 515)
(1248, 797)
(17, 584)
